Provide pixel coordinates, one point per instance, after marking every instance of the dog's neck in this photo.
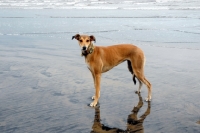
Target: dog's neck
(90, 50)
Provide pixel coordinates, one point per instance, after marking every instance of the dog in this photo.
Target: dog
(100, 59)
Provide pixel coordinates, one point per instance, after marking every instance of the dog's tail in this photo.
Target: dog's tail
(131, 70)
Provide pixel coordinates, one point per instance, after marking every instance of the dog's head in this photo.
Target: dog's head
(84, 41)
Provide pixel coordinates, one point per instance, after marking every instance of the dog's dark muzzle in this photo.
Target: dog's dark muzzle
(84, 48)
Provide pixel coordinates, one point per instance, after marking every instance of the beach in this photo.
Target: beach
(45, 85)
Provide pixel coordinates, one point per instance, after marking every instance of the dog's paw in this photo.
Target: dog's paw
(147, 99)
(93, 97)
(93, 104)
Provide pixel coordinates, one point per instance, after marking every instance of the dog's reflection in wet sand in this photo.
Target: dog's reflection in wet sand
(134, 124)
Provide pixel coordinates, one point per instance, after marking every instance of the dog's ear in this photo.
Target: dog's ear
(92, 38)
(77, 36)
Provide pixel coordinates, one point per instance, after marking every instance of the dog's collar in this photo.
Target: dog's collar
(90, 49)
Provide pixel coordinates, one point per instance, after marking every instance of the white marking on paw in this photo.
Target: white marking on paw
(92, 104)
(147, 100)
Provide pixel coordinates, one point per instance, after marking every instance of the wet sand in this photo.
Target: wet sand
(45, 85)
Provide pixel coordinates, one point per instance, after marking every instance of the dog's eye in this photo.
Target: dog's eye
(81, 40)
(87, 40)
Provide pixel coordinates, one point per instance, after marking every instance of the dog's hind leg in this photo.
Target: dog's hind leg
(131, 70)
(140, 86)
(141, 78)
(149, 88)
(139, 73)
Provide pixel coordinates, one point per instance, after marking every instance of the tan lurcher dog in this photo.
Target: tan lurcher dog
(101, 59)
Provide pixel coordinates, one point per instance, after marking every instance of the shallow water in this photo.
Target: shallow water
(46, 87)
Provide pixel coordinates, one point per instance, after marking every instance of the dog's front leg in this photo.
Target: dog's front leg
(97, 80)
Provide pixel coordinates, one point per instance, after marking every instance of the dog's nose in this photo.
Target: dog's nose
(84, 48)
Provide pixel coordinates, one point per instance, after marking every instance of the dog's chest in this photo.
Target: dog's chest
(88, 63)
